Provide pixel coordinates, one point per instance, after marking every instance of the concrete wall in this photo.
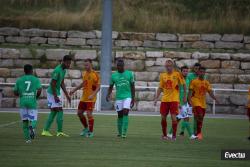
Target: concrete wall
(226, 56)
(225, 70)
(124, 40)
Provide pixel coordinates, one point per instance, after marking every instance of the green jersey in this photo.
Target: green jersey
(191, 76)
(187, 81)
(58, 75)
(122, 82)
(27, 87)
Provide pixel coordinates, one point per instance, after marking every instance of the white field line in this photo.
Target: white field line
(8, 124)
(95, 113)
(141, 114)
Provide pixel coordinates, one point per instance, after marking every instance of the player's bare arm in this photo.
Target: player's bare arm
(95, 92)
(65, 91)
(248, 103)
(109, 92)
(38, 93)
(53, 88)
(185, 93)
(159, 90)
(211, 94)
(190, 96)
(16, 93)
(75, 89)
(133, 94)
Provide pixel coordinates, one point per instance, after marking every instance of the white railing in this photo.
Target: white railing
(224, 90)
(75, 99)
(77, 95)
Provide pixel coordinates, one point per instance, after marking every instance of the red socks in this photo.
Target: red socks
(84, 121)
(91, 124)
(164, 127)
(199, 125)
(174, 126)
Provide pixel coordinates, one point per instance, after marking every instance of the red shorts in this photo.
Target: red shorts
(248, 112)
(197, 110)
(169, 106)
(86, 106)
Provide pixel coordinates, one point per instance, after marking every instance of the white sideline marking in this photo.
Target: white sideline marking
(94, 113)
(8, 124)
(130, 114)
(113, 113)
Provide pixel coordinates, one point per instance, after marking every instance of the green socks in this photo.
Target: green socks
(119, 125)
(59, 121)
(183, 126)
(26, 130)
(170, 131)
(125, 124)
(187, 125)
(33, 124)
(51, 118)
(52, 115)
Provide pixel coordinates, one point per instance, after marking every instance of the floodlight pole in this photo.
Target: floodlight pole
(106, 50)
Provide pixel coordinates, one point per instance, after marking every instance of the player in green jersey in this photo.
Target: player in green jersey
(125, 94)
(54, 97)
(185, 109)
(191, 76)
(28, 88)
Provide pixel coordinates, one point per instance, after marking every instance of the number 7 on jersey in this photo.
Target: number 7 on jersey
(28, 85)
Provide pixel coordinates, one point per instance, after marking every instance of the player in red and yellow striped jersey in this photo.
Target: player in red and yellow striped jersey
(197, 97)
(169, 85)
(248, 110)
(91, 86)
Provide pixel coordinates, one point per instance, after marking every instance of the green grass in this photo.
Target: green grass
(173, 16)
(142, 147)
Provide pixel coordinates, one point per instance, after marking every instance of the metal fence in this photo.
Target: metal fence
(77, 95)
(229, 93)
(75, 99)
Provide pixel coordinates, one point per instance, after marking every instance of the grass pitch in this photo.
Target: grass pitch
(141, 148)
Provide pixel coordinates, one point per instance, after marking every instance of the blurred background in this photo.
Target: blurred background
(182, 16)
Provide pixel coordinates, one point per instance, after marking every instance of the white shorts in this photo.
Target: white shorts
(51, 101)
(28, 114)
(122, 104)
(185, 112)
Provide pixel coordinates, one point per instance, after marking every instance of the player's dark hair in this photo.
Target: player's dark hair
(119, 61)
(88, 60)
(67, 58)
(197, 65)
(202, 68)
(27, 68)
(184, 67)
